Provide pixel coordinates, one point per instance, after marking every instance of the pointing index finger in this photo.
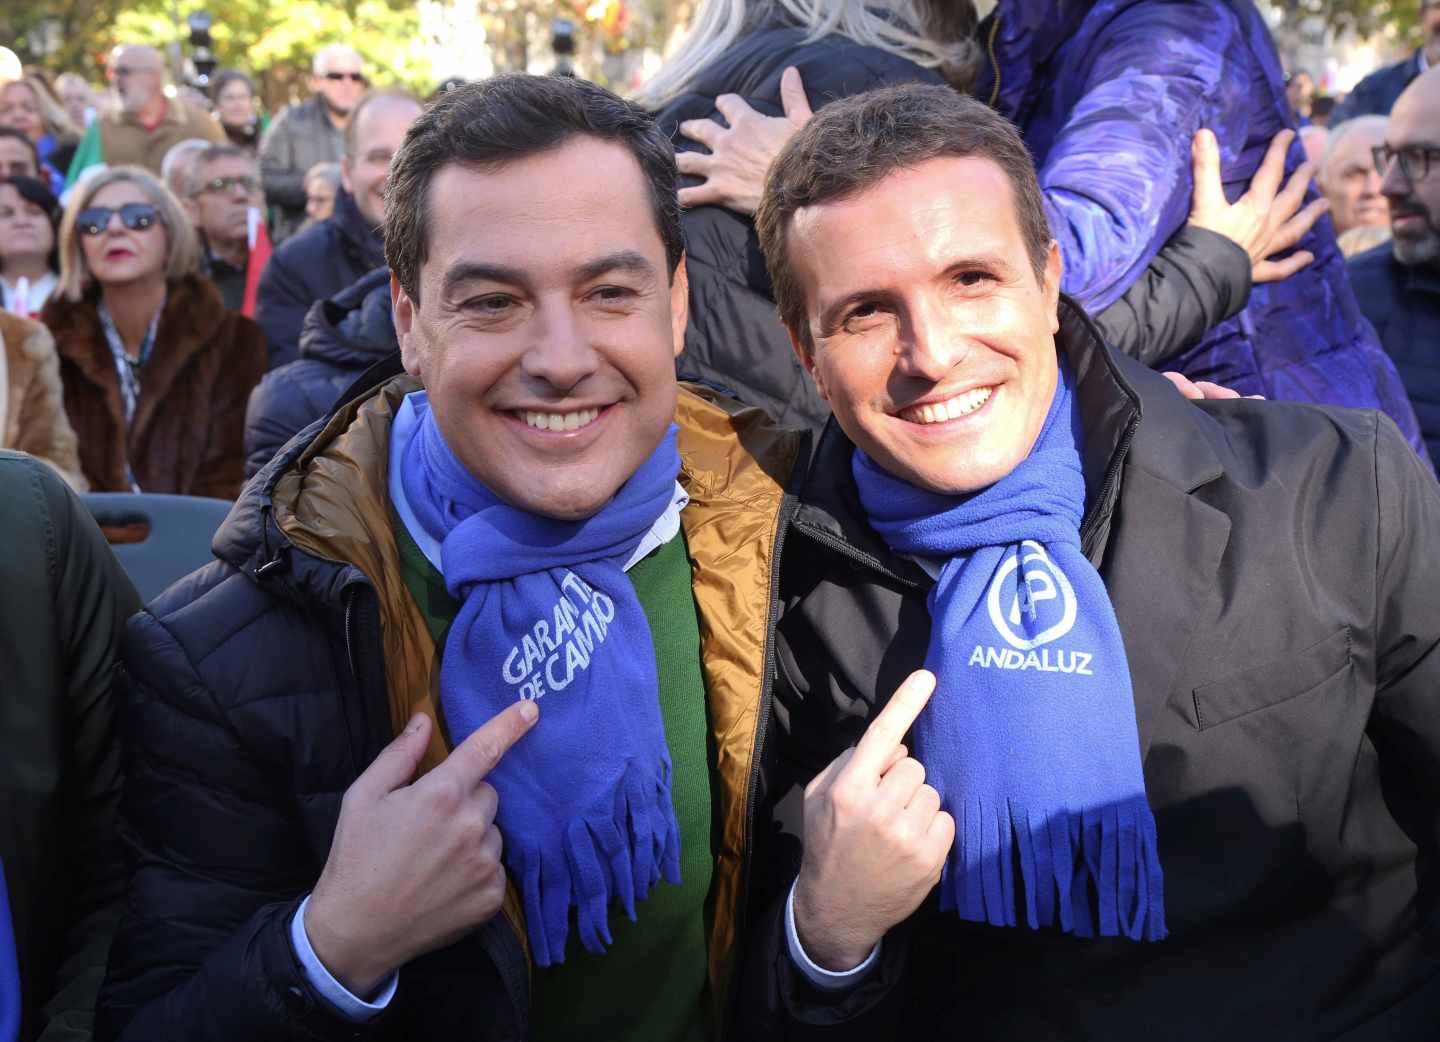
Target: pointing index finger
(476, 756)
(887, 730)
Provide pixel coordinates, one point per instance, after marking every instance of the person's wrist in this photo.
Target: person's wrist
(836, 947)
(355, 962)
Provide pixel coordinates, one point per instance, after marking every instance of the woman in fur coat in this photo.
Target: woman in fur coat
(32, 409)
(156, 370)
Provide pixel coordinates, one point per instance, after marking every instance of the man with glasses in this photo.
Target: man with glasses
(144, 124)
(1398, 283)
(309, 133)
(321, 261)
(224, 187)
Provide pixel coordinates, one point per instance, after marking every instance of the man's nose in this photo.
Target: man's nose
(1394, 184)
(930, 342)
(561, 353)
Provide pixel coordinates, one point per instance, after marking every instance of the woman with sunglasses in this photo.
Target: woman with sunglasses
(156, 370)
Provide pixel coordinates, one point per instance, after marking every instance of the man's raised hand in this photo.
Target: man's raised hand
(413, 867)
(875, 838)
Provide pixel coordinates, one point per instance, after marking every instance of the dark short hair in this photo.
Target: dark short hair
(225, 77)
(857, 142)
(506, 118)
(19, 135)
(37, 193)
(352, 126)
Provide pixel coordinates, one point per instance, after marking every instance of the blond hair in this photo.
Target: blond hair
(905, 28)
(52, 114)
(182, 250)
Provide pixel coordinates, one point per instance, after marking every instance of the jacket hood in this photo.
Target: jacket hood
(360, 238)
(354, 327)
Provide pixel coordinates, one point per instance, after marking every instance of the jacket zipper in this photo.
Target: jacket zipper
(767, 668)
(1112, 475)
(844, 549)
(994, 62)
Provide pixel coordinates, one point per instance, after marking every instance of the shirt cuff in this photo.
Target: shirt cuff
(353, 1009)
(818, 976)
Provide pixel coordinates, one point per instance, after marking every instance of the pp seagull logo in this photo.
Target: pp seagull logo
(1040, 580)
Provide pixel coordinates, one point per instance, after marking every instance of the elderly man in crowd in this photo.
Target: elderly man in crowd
(144, 123)
(1398, 283)
(1175, 777)
(224, 188)
(337, 251)
(1348, 177)
(310, 132)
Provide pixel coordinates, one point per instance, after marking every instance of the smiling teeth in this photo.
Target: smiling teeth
(951, 408)
(560, 421)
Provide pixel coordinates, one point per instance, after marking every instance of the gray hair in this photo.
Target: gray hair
(210, 155)
(906, 28)
(178, 165)
(1340, 132)
(322, 58)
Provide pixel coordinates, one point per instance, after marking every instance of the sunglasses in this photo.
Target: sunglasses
(228, 184)
(353, 77)
(94, 220)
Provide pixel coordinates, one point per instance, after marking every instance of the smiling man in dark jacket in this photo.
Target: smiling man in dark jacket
(1180, 777)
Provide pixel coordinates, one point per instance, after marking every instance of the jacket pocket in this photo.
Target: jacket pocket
(1273, 682)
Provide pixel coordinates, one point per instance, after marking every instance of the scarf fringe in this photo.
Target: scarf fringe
(598, 858)
(1091, 872)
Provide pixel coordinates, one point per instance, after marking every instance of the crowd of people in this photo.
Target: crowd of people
(914, 525)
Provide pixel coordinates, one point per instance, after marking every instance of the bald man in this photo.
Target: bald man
(321, 261)
(1348, 176)
(144, 124)
(310, 132)
(1398, 283)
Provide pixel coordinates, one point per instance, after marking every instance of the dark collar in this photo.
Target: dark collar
(1115, 394)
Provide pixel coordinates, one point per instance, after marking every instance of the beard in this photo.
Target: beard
(1412, 250)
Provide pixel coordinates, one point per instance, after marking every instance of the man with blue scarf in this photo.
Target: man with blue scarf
(457, 738)
(1163, 754)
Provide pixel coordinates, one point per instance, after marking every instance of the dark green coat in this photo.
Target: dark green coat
(63, 605)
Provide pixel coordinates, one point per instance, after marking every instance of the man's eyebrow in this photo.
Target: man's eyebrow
(621, 260)
(479, 271)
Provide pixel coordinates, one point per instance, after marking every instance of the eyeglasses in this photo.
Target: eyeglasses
(353, 77)
(1414, 160)
(248, 184)
(94, 220)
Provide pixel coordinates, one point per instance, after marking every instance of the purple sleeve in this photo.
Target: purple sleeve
(1116, 178)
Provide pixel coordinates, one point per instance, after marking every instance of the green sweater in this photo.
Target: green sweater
(649, 986)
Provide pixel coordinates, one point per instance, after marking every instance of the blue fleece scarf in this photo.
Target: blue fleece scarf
(1030, 737)
(548, 614)
(9, 971)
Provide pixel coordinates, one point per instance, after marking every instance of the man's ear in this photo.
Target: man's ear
(402, 310)
(807, 359)
(1054, 271)
(345, 173)
(679, 305)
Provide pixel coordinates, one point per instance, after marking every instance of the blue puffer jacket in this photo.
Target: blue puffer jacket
(342, 337)
(1108, 95)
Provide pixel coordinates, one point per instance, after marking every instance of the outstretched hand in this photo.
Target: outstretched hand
(734, 169)
(1266, 220)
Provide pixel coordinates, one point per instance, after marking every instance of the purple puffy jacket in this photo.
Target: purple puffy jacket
(1108, 95)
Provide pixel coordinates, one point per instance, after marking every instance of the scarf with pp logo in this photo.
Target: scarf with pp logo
(1030, 737)
(548, 614)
